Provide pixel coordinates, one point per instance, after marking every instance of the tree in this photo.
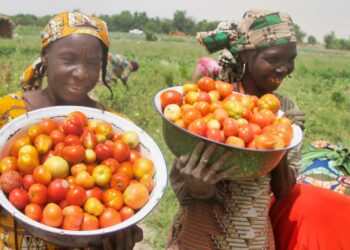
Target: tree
(299, 33)
(330, 40)
(183, 23)
(311, 40)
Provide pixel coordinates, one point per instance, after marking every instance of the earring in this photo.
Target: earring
(42, 70)
(242, 72)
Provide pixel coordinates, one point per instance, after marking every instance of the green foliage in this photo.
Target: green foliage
(332, 42)
(299, 33)
(150, 36)
(319, 85)
(311, 40)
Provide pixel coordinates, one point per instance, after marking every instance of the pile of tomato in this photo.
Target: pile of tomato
(77, 174)
(213, 110)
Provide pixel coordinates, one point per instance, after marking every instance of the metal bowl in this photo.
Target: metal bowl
(18, 127)
(251, 163)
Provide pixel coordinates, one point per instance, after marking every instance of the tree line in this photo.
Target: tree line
(125, 21)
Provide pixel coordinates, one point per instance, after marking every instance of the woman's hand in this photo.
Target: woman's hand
(200, 178)
(121, 240)
(296, 116)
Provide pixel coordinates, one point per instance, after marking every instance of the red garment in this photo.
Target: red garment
(311, 218)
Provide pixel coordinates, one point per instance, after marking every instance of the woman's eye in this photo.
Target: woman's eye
(272, 60)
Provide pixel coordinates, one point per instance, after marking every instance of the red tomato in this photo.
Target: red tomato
(103, 151)
(225, 89)
(82, 117)
(94, 192)
(220, 114)
(73, 218)
(230, 127)
(214, 134)
(120, 181)
(203, 107)
(76, 196)
(88, 139)
(57, 136)
(126, 168)
(72, 140)
(47, 125)
(206, 84)
(121, 151)
(52, 215)
(170, 97)
(199, 127)
(126, 212)
(38, 194)
(46, 156)
(260, 119)
(112, 163)
(109, 217)
(190, 115)
(73, 154)
(28, 180)
(134, 155)
(72, 126)
(57, 189)
(58, 148)
(10, 180)
(203, 97)
(33, 211)
(19, 198)
(256, 128)
(246, 133)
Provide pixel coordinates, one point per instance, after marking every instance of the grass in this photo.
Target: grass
(320, 85)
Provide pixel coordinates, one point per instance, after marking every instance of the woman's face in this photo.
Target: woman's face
(73, 67)
(268, 67)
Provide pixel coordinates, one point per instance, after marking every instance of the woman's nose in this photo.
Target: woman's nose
(283, 69)
(80, 72)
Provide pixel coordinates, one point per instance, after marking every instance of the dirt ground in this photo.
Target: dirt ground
(143, 245)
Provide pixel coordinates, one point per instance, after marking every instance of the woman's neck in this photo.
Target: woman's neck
(250, 88)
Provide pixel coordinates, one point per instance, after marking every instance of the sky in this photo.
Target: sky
(315, 17)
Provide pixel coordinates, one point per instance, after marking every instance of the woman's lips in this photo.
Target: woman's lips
(75, 88)
(276, 80)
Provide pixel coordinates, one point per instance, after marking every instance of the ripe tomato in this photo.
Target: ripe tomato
(187, 87)
(256, 128)
(18, 144)
(19, 198)
(28, 180)
(52, 215)
(76, 196)
(38, 194)
(121, 151)
(214, 134)
(27, 162)
(230, 127)
(220, 114)
(90, 222)
(47, 125)
(206, 84)
(203, 107)
(213, 123)
(113, 198)
(34, 131)
(120, 181)
(190, 115)
(10, 180)
(234, 96)
(234, 109)
(73, 154)
(109, 217)
(148, 182)
(72, 126)
(46, 156)
(170, 97)
(71, 140)
(33, 211)
(82, 117)
(268, 141)
(214, 95)
(105, 129)
(260, 119)
(88, 139)
(71, 181)
(57, 189)
(136, 195)
(246, 133)
(172, 112)
(90, 156)
(126, 212)
(112, 163)
(73, 218)
(235, 141)
(58, 148)
(225, 89)
(198, 127)
(203, 97)
(57, 136)
(76, 168)
(269, 101)
(103, 151)
(191, 97)
(8, 163)
(126, 168)
(94, 192)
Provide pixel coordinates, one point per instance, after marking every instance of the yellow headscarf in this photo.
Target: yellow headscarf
(62, 25)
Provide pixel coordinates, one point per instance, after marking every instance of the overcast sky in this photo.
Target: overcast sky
(315, 17)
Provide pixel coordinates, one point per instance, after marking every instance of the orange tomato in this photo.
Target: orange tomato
(203, 107)
(34, 131)
(198, 126)
(85, 180)
(224, 89)
(187, 87)
(33, 211)
(27, 162)
(235, 141)
(8, 163)
(73, 218)
(109, 217)
(90, 222)
(206, 84)
(52, 215)
(126, 167)
(93, 206)
(191, 97)
(43, 143)
(136, 195)
(42, 175)
(47, 125)
(269, 101)
(113, 198)
(18, 144)
(148, 182)
(134, 155)
(190, 115)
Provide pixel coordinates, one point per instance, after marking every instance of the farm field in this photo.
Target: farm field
(320, 85)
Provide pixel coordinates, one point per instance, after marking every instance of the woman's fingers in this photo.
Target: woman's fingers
(128, 240)
(195, 156)
(224, 174)
(205, 157)
(106, 243)
(137, 233)
(217, 165)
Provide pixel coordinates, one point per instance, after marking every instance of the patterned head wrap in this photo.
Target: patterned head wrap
(62, 25)
(257, 29)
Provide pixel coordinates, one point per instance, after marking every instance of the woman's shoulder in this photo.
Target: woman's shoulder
(286, 102)
(11, 106)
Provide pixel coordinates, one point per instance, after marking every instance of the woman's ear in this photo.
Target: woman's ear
(43, 57)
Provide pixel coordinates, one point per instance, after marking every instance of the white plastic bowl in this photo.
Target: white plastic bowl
(18, 127)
